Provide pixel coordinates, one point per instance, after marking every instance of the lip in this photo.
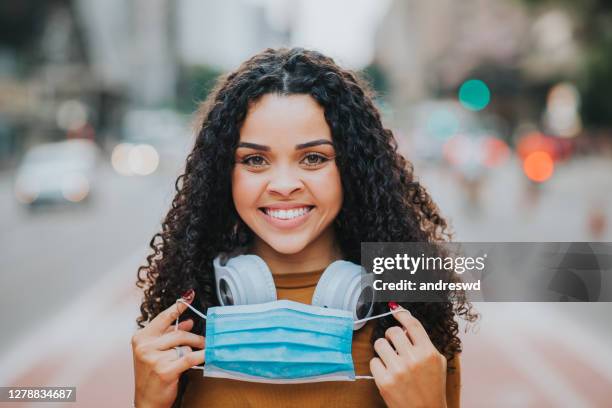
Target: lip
(286, 206)
(287, 224)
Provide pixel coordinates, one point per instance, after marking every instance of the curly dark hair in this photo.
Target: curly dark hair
(382, 200)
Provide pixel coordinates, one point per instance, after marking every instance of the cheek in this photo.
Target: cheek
(327, 188)
(245, 190)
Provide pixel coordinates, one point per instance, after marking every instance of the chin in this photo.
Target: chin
(286, 245)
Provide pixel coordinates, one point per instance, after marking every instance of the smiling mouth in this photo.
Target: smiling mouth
(288, 214)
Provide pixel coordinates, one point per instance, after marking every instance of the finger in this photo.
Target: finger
(377, 368)
(386, 353)
(179, 338)
(186, 362)
(173, 354)
(163, 320)
(414, 329)
(185, 325)
(401, 343)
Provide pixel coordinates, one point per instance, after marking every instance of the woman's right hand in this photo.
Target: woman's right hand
(157, 367)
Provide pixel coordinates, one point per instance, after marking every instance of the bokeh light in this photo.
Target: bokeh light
(129, 159)
(496, 152)
(71, 115)
(562, 116)
(534, 142)
(75, 187)
(119, 159)
(143, 159)
(559, 149)
(474, 94)
(538, 166)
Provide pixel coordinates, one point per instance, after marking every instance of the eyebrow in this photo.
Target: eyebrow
(297, 146)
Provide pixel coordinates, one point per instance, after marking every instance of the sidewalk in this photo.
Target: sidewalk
(87, 345)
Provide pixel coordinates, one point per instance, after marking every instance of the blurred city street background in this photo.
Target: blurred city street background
(501, 106)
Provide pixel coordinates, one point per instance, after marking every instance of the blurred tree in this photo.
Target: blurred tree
(21, 22)
(377, 77)
(596, 87)
(195, 83)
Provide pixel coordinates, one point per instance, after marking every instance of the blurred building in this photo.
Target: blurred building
(49, 88)
(223, 34)
(131, 46)
(71, 68)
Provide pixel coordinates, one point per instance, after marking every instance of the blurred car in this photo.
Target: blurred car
(57, 172)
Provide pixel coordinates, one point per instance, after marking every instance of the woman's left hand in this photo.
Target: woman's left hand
(409, 371)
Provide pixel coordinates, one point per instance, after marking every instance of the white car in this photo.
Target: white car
(57, 172)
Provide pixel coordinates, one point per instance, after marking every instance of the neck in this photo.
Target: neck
(314, 257)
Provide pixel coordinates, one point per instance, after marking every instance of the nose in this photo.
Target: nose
(285, 182)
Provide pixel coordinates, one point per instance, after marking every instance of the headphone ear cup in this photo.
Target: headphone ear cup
(244, 279)
(341, 287)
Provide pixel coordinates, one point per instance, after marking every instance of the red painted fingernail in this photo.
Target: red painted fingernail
(393, 305)
(188, 295)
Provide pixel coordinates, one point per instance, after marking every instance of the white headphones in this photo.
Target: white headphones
(246, 279)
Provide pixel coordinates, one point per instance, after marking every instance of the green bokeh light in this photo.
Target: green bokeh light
(474, 94)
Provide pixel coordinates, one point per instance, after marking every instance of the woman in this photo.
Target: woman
(292, 162)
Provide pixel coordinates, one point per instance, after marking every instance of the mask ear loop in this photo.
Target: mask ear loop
(369, 377)
(196, 311)
(377, 316)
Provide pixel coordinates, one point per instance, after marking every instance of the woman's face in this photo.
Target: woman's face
(285, 184)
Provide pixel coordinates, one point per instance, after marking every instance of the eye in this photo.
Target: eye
(314, 159)
(254, 160)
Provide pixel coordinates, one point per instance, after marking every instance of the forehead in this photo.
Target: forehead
(275, 118)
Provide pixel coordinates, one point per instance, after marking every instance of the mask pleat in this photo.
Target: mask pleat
(279, 318)
(287, 336)
(278, 352)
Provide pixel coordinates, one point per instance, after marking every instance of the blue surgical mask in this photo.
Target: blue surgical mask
(280, 342)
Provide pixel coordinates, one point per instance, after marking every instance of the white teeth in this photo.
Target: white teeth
(287, 214)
